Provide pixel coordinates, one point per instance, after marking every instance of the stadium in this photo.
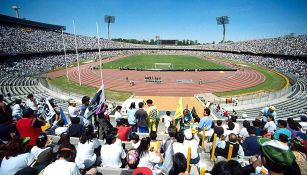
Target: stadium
(55, 83)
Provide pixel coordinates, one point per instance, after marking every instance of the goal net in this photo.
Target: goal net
(163, 65)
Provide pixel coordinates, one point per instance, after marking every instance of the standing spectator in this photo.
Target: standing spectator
(118, 114)
(141, 116)
(152, 112)
(17, 110)
(186, 120)
(65, 164)
(31, 103)
(168, 120)
(87, 146)
(72, 110)
(112, 152)
(123, 129)
(131, 116)
(147, 158)
(250, 144)
(85, 103)
(265, 112)
(30, 126)
(270, 126)
(16, 158)
(206, 121)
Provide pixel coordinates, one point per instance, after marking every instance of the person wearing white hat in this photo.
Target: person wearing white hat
(265, 112)
(72, 110)
(190, 141)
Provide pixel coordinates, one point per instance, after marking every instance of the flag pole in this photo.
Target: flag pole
(73, 21)
(65, 55)
(100, 62)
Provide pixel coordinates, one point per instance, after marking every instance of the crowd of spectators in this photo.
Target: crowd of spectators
(25, 147)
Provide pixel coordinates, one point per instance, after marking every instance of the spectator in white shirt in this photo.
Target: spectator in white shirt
(190, 141)
(178, 146)
(61, 128)
(17, 110)
(118, 115)
(16, 157)
(167, 119)
(42, 143)
(86, 149)
(243, 132)
(112, 152)
(237, 126)
(230, 129)
(135, 139)
(270, 126)
(147, 158)
(65, 164)
(72, 109)
(31, 102)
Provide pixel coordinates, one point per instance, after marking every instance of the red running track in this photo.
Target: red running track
(214, 81)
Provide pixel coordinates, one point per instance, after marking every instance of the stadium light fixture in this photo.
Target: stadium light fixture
(16, 9)
(109, 19)
(222, 20)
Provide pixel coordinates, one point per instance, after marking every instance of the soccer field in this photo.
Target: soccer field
(177, 61)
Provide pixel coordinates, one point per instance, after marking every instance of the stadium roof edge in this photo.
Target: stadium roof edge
(29, 23)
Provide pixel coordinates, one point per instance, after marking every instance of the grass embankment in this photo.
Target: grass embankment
(178, 62)
(71, 86)
(273, 82)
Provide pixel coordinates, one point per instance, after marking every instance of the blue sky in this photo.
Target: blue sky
(170, 19)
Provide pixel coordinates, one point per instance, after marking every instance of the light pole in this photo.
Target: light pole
(109, 19)
(14, 7)
(222, 20)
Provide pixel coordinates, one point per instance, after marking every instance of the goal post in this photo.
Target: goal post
(163, 65)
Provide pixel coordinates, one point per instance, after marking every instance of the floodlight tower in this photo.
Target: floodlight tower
(14, 7)
(222, 20)
(109, 19)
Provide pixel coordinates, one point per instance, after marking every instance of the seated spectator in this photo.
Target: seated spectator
(230, 129)
(64, 165)
(42, 143)
(172, 130)
(87, 146)
(154, 143)
(257, 125)
(31, 103)
(76, 129)
(278, 158)
(250, 145)
(64, 139)
(133, 160)
(179, 164)
(243, 132)
(17, 110)
(223, 147)
(190, 141)
(178, 146)
(270, 126)
(30, 126)
(61, 128)
(147, 158)
(233, 118)
(7, 130)
(282, 129)
(112, 152)
(231, 167)
(294, 127)
(123, 129)
(135, 139)
(16, 158)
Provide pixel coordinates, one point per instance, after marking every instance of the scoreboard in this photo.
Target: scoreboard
(167, 42)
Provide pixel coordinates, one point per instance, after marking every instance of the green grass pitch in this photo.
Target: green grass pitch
(178, 61)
